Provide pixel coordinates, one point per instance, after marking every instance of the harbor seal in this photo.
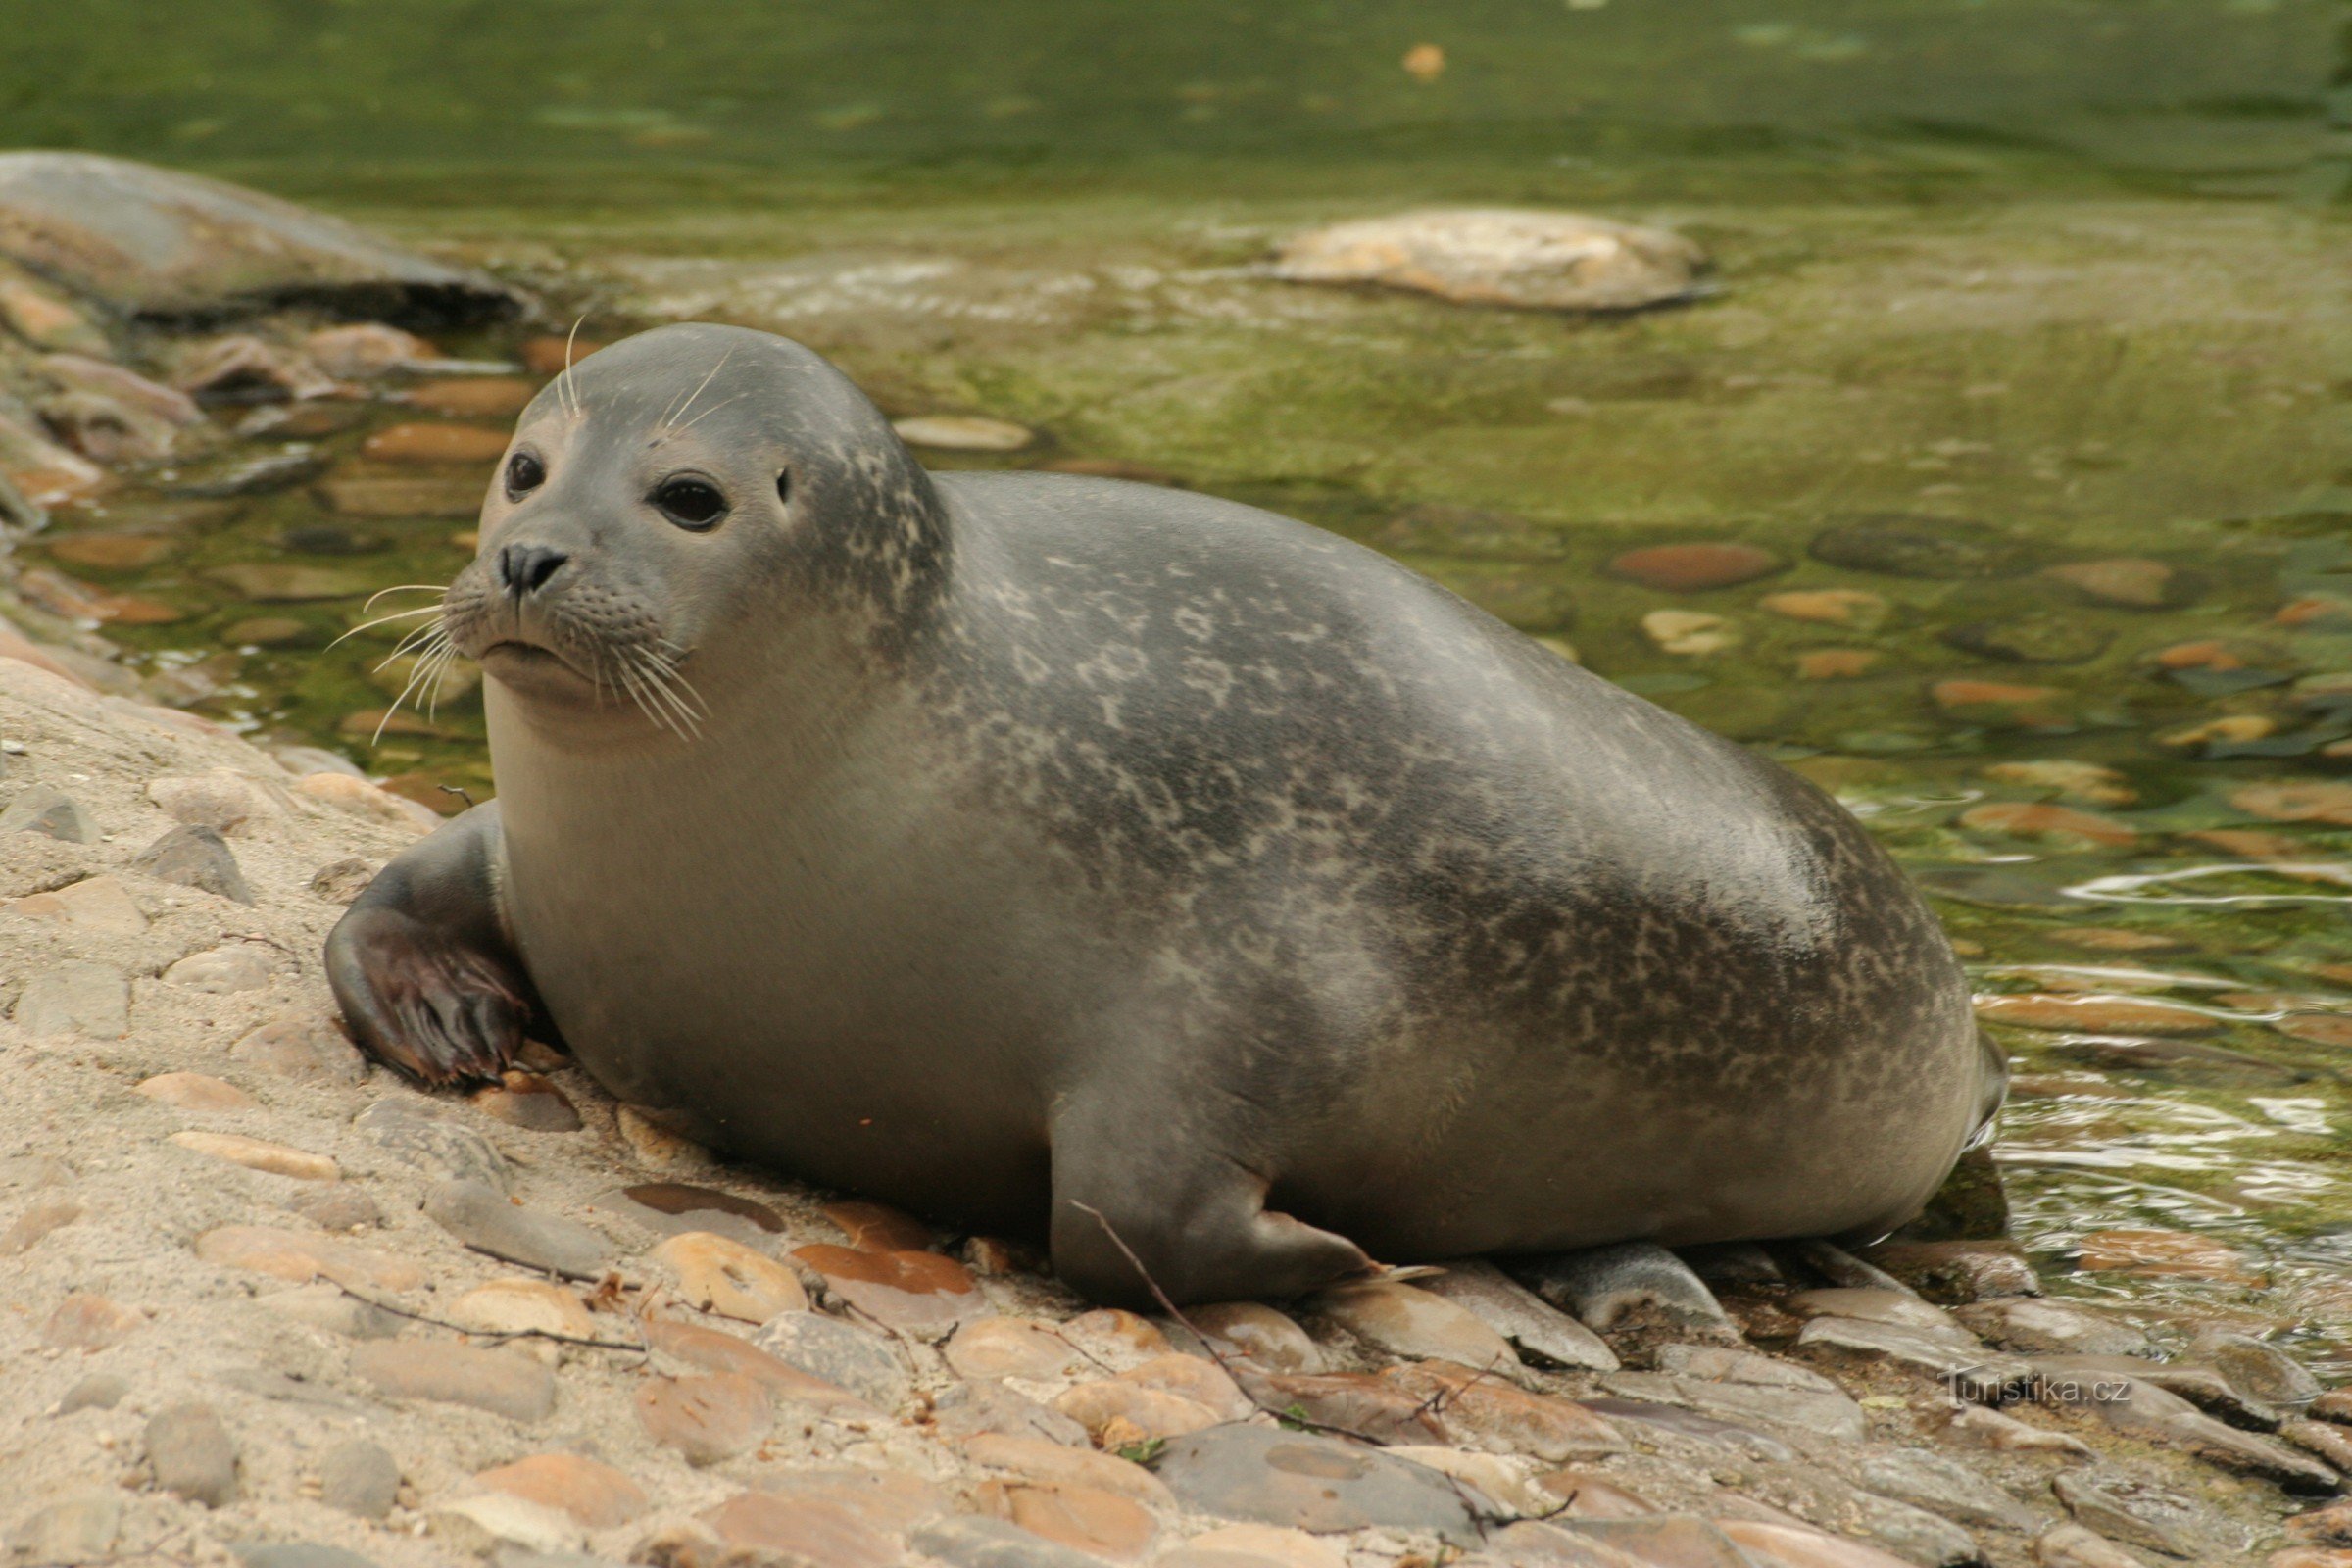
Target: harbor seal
(1115, 862)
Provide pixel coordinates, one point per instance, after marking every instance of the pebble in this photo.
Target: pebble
(1631, 1282)
(840, 1353)
(2321, 801)
(1310, 1482)
(100, 1391)
(1010, 1347)
(1195, 1378)
(2037, 639)
(359, 349)
(413, 1129)
(73, 1530)
(2328, 1440)
(1942, 1485)
(231, 968)
(2138, 1407)
(2081, 781)
(433, 443)
(726, 1277)
(1527, 258)
(1117, 1339)
(1837, 663)
(892, 1500)
(1476, 1407)
(527, 1100)
(484, 397)
(294, 1255)
(910, 1292)
(707, 1419)
(1942, 549)
(2111, 1015)
(195, 857)
(1051, 1463)
(1988, 694)
(222, 799)
(303, 1047)
(1085, 1518)
(359, 1477)
(653, 1143)
(485, 1219)
(1519, 1315)
(341, 881)
(712, 1350)
(2160, 1252)
(295, 1554)
(969, 1411)
(2132, 581)
(593, 1493)
(35, 1222)
(289, 582)
(47, 809)
(878, 1227)
(1147, 1412)
(85, 1322)
(1413, 1323)
(73, 600)
(523, 1306)
(1959, 1271)
(1693, 568)
(192, 1455)
(101, 904)
(499, 1381)
(2035, 820)
(196, 1092)
(1836, 607)
(112, 552)
(2142, 1514)
(962, 1540)
(1940, 1353)
(673, 1209)
(495, 1523)
(2261, 1372)
(327, 1309)
(254, 1153)
(1265, 1337)
(76, 997)
(963, 432)
(1690, 632)
(2027, 1324)
(817, 1531)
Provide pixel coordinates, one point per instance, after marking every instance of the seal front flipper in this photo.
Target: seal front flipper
(1141, 1200)
(428, 977)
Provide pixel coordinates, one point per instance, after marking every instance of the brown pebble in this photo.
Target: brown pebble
(1987, 694)
(731, 1279)
(1010, 1347)
(499, 1381)
(2163, 1252)
(2038, 819)
(435, 443)
(89, 1323)
(2113, 1015)
(903, 1290)
(765, 1529)
(707, 1419)
(256, 1155)
(1085, 1518)
(527, 1100)
(1050, 1463)
(1837, 663)
(878, 1227)
(294, 1255)
(715, 1350)
(595, 1495)
(1150, 1412)
(195, 1091)
(1693, 568)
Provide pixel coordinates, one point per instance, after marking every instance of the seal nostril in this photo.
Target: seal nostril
(525, 568)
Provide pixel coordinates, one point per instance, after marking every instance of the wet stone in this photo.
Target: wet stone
(910, 1292)
(1406, 1321)
(1938, 1352)
(192, 1455)
(1314, 1483)
(595, 1494)
(1872, 1305)
(359, 1477)
(1827, 1411)
(726, 1277)
(840, 1353)
(481, 397)
(1693, 568)
(1527, 258)
(484, 1219)
(46, 809)
(2038, 639)
(527, 1100)
(413, 1130)
(2142, 1514)
(289, 582)
(395, 493)
(2161, 1252)
(2132, 581)
(330, 1310)
(2040, 820)
(1835, 606)
(963, 432)
(2140, 1408)
(2028, 1324)
(112, 552)
(1935, 548)
(2261, 1372)
(499, 1381)
(1958, 1272)
(1264, 1335)
(220, 800)
(707, 1419)
(2095, 1015)
(78, 997)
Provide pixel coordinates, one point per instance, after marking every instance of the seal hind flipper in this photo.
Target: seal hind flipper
(422, 966)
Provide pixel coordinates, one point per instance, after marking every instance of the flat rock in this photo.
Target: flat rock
(713, 1350)
(593, 1493)
(86, 1322)
(1501, 256)
(327, 1308)
(301, 1258)
(359, 1478)
(486, 1220)
(1010, 1346)
(192, 1455)
(525, 1306)
(909, 1292)
(1409, 1322)
(764, 1528)
(413, 1130)
(840, 1353)
(1262, 1334)
(2035, 1326)
(100, 1391)
(194, 1091)
(78, 997)
(2034, 639)
(1112, 1409)
(1083, 1518)
(286, 582)
(707, 1419)
(1051, 1463)
(1829, 1412)
(964, 1542)
(1715, 1363)
(150, 241)
(1689, 1423)
(1871, 1304)
(222, 799)
(2073, 1546)
(891, 1500)
(1944, 1486)
(721, 1275)
(971, 1410)
(2132, 582)
(1942, 1353)
(43, 1217)
(2141, 1409)
(295, 1554)
(2140, 1513)
(46, 809)
(1958, 1272)
(963, 432)
(673, 1209)
(99, 905)
(2260, 1371)
(1478, 1409)
(1683, 1540)
(1308, 1482)
(499, 1381)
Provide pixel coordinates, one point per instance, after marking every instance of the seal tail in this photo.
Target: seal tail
(1994, 1093)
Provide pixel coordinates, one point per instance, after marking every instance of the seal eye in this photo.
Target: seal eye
(524, 474)
(691, 503)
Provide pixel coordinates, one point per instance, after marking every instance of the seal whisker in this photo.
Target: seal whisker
(637, 695)
(384, 621)
(676, 685)
(414, 675)
(405, 588)
(681, 429)
(419, 637)
(567, 395)
(680, 718)
(667, 419)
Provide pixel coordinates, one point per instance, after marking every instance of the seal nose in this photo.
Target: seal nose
(525, 568)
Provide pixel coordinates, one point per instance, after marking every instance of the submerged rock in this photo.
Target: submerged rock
(1502, 256)
(150, 241)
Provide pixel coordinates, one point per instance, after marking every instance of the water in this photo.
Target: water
(2064, 281)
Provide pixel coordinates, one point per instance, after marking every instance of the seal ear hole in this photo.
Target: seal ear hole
(524, 474)
(784, 485)
(693, 504)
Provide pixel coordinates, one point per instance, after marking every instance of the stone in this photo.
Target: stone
(2140, 1513)
(527, 1100)
(2073, 1546)
(654, 1142)
(76, 997)
(1784, 1545)
(877, 1227)
(1693, 568)
(338, 1206)
(1254, 1330)
(1628, 1285)
(85, 1322)
(35, 1222)
(2329, 1442)
(1193, 1377)
(1520, 257)
(813, 1531)
(326, 1307)
(194, 1091)
(2060, 1328)
(1804, 1408)
(73, 600)
(1270, 1476)
(1255, 1547)
(100, 1391)
(2132, 581)
(2159, 1252)
(148, 242)
(909, 1292)
(673, 1209)
(341, 881)
(963, 432)
(1958, 1271)
(77, 1529)
(2327, 802)
(1476, 1407)
(1716, 1363)
(1055, 1464)
(474, 397)
(289, 581)
(595, 1494)
(1359, 1405)
(1979, 1427)
(1945, 1354)
(411, 1129)
(2032, 639)
(1837, 663)
(1940, 549)
(482, 1218)
(242, 373)
(1117, 1339)
(295, 1554)
(963, 1542)
(2034, 819)
(1873, 1305)
(359, 350)
(525, 1306)
(1836, 607)
(435, 443)
(1688, 631)
(1149, 1411)
(2138, 1407)
(254, 1153)
(707, 1419)
(1083, 1518)
(840, 1353)
(496, 1522)
(711, 1351)
(891, 1500)
(1010, 1347)
(362, 799)
(1929, 1480)
(112, 552)
(1686, 1423)
(1406, 1321)
(85, 374)
(231, 968)
(2261, 1372)
(971, 1410)
(195, 857)
(726, 1277)
(192, 1455)
(100, 904)
(46, 809)
(303, 1047)
(499, 1381)
(359, 1477)
(397, 493)
(2106, 1016)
